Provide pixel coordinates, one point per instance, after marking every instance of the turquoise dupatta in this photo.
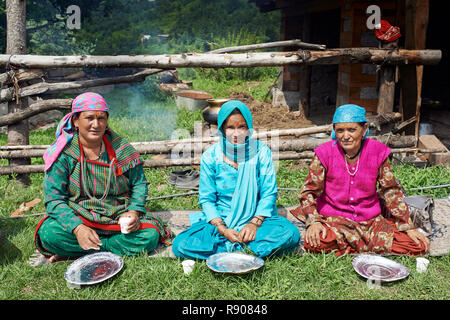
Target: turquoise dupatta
(245, 196)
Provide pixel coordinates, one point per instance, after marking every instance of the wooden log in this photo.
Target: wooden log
(170, 143)
(25, 169)
(45, 87)
(24, 147)
(402, 125)
(286, 43)
(194, 161)
(261, 134)
(18, 154)
(181, 150)
(21, 75)
(384, 118)
(34, 109)
(273, 142)
(240, 60)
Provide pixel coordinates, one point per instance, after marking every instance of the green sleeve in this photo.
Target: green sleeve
(139, 188)
(56, 192)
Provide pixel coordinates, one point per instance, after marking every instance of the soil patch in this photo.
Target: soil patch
(268, 117)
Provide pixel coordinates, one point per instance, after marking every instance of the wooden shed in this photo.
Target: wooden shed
(317, 90)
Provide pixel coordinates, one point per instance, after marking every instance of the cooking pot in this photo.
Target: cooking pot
(211, 112)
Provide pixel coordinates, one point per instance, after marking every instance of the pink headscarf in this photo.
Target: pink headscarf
(88, 101)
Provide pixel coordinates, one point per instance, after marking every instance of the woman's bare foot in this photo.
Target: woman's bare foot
(55, 258)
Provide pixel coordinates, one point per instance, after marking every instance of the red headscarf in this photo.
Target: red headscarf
(387, 32)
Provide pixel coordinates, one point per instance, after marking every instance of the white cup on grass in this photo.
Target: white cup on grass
(188, 266)
(422, 264)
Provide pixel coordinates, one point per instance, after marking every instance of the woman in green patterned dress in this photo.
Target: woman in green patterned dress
(93, 177)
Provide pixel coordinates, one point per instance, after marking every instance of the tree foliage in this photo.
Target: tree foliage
(143, 26)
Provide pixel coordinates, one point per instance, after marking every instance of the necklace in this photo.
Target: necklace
(351, 158)
(359, 151)
(348, 170)
(100, 153)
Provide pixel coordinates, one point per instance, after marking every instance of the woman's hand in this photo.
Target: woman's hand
(417, 236)
(87, 237)
(232, 235)
(248, 232)
(135, 222)
(312, 235)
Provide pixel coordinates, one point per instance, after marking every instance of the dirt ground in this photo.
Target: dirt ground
(265, 116)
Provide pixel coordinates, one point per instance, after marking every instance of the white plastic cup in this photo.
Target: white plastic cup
(422, 264)
(124, 222)
(188, 266)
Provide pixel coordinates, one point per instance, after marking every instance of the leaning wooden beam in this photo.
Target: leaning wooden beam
(287, 43)
(34, 109)
(45, 87)
(239, 60)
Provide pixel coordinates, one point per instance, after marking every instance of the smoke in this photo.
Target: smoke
(139, 113)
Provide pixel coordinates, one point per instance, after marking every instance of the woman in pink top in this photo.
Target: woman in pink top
(340, 203)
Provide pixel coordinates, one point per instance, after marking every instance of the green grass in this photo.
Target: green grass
(298, 277)
(257, 89)
(294, 276)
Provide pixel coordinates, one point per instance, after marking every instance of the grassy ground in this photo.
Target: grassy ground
(310, 276)
(298, 277)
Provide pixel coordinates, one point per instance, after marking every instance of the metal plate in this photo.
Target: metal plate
(375, 267)
(93, 268)
(234, 262)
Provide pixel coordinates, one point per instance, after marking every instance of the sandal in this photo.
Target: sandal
(175, 174)
(189, 181)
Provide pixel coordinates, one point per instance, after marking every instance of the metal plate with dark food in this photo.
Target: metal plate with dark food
(378, 268)
(233, 262)
(93, 268)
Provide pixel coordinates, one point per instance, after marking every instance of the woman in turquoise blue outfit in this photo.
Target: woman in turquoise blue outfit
(237, 193)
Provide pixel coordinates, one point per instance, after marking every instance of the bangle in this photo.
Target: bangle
(223, 234)
(259, 219)
(258, 225)
(221, 223)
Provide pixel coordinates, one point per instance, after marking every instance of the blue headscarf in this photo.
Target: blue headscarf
(244, 201)
(236, 152)
(349, 113)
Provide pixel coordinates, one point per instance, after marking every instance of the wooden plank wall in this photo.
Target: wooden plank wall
(357, 83)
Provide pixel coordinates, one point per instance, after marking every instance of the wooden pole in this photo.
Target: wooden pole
(421, 23)
(34, 109)
(285, 43)
(305, 72)
(386, 89)
(191, 161)
(298, 145)
(239, 60)
(45, 87)
(416, 19)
